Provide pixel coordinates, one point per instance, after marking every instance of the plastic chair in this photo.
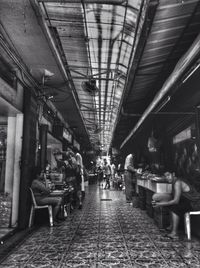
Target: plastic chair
(187, 222)
(35, 206)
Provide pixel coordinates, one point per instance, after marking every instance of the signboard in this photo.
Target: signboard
(67, 135)
(44, 121)
(183, 135)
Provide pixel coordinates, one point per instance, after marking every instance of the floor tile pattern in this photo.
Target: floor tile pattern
(107, 232)
(5, 212)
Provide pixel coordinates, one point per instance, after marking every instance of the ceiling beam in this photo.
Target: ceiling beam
(102, 79)
(107, 2)
(70, 21)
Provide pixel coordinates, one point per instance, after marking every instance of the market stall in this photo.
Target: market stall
(147, 185)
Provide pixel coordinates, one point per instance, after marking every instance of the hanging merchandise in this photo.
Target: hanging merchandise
(152, 143)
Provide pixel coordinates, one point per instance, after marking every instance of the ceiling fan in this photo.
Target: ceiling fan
(98, 130)
(90, 86)
(95, 129)
(47, 96)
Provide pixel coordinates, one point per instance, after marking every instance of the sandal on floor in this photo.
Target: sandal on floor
(173, 237)
(168, 228)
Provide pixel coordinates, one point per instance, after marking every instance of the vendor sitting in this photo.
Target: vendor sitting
(42, 195)
(183, 198)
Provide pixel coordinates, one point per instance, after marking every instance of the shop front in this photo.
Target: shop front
(172, 146)
(11, 136)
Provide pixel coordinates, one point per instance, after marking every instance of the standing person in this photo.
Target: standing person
(107, 174)
(72, 175)
(79, 161)
(58, 155)
(129, 178)
(184, 198)
(113, 172)
(100, 174)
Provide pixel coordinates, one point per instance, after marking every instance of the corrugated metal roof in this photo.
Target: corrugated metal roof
(175, 26)
(98, 41)
(118, 53)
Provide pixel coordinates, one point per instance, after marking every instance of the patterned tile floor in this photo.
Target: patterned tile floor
(107, 232)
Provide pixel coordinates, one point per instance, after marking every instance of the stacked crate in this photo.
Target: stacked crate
(5, 210)
(149, 208)
(142, 197)
(135, 201)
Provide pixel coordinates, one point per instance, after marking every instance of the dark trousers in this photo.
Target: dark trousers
(129, 185)
(107, 185)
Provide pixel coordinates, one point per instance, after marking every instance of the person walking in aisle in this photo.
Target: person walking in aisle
(107, 174)
(113, 172)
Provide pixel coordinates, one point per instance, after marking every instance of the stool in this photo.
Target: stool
(187, 222)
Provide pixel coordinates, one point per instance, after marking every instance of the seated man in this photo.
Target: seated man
(42, 196)
(184, 198)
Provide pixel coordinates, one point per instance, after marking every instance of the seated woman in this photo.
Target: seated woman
(184, 198)
(42, 195)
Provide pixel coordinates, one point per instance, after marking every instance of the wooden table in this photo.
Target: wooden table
(67, 200)
(155, 187)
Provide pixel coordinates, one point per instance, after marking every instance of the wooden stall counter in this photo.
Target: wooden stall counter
(154, 186)
(67, 196)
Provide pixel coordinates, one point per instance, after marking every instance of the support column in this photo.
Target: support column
(43, 142)
(28, 159)
(197, 126)
(17, 171)
(10, 153)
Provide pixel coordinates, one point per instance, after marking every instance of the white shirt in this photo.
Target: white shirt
(113, 168)
(107, 169)
(79, 161)
(128, 161)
